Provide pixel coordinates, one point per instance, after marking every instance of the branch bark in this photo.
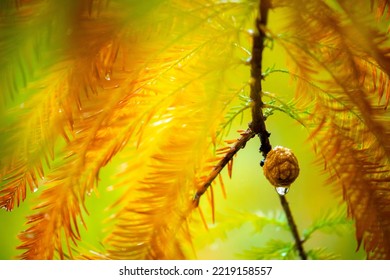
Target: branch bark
(241, 142)
(258, 122)
(293, 227)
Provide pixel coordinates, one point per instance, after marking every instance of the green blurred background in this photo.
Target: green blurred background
(247, 191)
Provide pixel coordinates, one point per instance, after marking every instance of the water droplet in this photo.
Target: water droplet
(247, 61)
(35, 189)
(108, 77)
(282, 190)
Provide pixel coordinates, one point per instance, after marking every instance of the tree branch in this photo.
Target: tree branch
(293, 227)
(258, 121)
(258, 124)
(241, 142)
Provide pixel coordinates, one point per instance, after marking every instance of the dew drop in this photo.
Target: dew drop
(35, 189)
(251, 32)
(247, 61)
(282, 190)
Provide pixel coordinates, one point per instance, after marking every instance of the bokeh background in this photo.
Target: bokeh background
(247, 191)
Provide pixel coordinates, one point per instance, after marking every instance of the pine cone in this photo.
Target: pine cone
(281, 167)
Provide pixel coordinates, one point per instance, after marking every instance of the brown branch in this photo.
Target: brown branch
(258, 121)
(293, 227)
(241, 142)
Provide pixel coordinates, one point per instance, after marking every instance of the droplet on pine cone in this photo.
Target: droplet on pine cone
(281, 168)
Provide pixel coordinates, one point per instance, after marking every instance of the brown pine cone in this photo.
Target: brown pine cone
(281, 167)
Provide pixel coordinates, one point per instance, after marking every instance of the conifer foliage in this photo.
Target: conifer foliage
(152, 84)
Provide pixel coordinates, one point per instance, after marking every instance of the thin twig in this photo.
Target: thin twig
(293, 227)
(258, 122)
(241, 142)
